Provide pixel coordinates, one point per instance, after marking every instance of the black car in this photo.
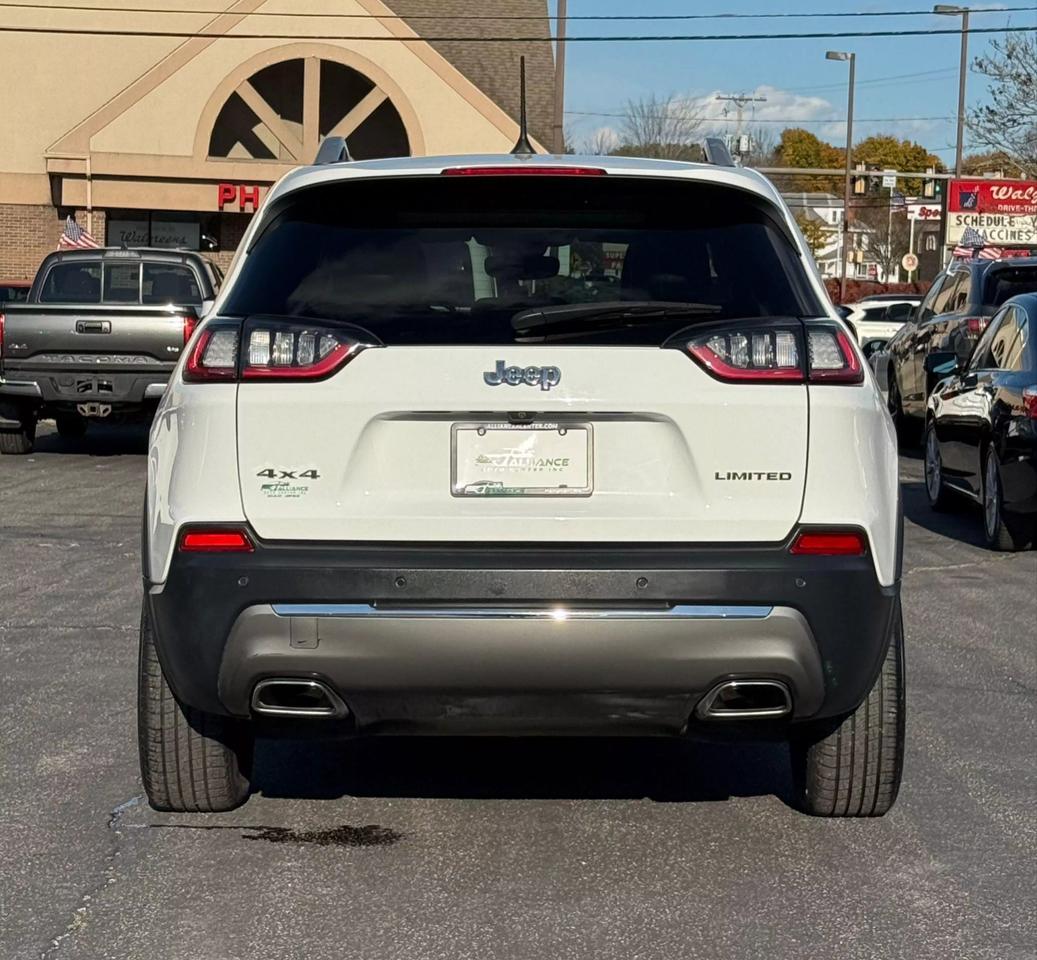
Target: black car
(950, 319)
(981, 428)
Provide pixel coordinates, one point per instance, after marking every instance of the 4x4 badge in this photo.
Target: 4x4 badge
(547, 377)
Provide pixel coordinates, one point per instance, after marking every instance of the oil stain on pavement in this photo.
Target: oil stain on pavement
(343, 835)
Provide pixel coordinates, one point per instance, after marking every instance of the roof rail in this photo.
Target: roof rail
(716, 152)
(333, 150)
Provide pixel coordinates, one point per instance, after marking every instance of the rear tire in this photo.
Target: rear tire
(855, 770)
(935, 489)
(21, 440)
(71, 426)
(907, 429)
(190, 761)
(1001, 532)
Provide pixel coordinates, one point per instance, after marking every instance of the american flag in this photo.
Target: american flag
(963, 253)
(990, 253)
(972, 238)
(75, 237)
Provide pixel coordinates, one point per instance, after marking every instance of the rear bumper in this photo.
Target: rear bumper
(466, 639)
(1019, 475)
(84, 385)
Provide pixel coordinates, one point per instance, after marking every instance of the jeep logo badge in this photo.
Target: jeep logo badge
(547, 377)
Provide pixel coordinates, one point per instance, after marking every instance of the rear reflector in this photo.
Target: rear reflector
(976, 325)
(215, 541)
(829, 543)
(524, 171)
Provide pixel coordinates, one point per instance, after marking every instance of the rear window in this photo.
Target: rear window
(13, 294)
(453, 259)
(1004, 282)
(169, 283)
(72, 283)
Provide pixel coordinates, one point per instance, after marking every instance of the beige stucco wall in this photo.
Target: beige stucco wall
(52, 83)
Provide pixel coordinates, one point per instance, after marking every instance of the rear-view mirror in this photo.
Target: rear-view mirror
(942, 363)
(899, 312)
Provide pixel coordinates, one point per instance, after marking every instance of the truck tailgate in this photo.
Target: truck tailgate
(95, 336)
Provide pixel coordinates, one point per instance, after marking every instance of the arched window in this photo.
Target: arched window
(283, 110)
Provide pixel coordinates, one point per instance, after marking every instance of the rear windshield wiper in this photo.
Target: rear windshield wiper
(583, 315)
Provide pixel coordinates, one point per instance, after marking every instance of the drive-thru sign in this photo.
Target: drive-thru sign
(1004, 212)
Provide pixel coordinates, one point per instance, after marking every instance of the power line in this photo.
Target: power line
(789, 120)
(935, 74)
(79, 8)
(630, 38)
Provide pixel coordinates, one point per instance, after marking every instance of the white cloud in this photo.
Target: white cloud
(781, 105)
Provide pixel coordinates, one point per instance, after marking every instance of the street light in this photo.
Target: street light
(963, 12)
(852, 58)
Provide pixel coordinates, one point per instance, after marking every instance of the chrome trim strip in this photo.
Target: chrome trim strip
(367, 610)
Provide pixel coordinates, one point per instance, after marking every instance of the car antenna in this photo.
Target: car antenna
(523, 148)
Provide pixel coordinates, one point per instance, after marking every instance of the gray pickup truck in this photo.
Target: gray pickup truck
(97, 338)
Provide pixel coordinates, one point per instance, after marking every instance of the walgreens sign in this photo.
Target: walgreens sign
(1014, 198)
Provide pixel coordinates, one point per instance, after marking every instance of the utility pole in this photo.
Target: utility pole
(963, 69)
(559, 111)
(740, 100)
(851, 58)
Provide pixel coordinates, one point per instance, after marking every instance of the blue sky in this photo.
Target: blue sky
(801, 86)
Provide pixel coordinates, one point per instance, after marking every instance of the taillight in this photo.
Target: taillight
(753, 354)
(274, 350)
(776, 353)
(190, 324)
(268, 349)
(1030, 401)
(829, 543)
(214, 355)
(976, 325)
(524, 170)
(831, 357)
(3, 320)
(217, 540)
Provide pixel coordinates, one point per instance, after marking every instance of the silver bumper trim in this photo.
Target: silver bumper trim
(366, 610)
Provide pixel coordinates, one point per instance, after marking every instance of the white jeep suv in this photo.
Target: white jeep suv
(522, 445)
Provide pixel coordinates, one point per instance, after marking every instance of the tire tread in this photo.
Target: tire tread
(855, 770)
(190, 761)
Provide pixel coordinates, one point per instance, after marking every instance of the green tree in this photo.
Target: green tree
(813, 232)
(990, 161)
(884, 152)
(1008, 123)
(801, 148)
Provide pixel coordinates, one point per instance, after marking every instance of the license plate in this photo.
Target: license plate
(519, 460)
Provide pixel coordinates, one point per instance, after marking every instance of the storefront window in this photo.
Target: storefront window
(164, 229)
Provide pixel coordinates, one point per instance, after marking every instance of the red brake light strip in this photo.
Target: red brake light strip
(524, 171)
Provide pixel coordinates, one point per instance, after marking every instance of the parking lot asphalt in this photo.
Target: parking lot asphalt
(495, 848)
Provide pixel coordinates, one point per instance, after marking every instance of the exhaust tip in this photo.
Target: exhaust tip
(745, 700)
(296, 698)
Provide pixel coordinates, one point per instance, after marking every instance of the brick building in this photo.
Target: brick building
(171, 141)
